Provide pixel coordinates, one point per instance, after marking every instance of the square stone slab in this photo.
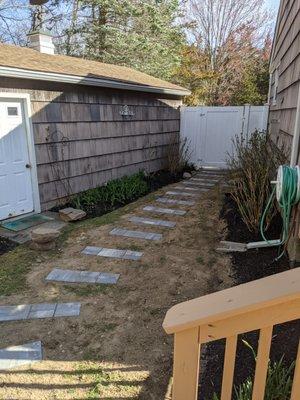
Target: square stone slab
(108, 278)
(173, 193)
(90, 250)
(197, 185)
(206, 180)
(70, 276)
(159, 210)
(184, 188)
(36, 311)
(13, 313)
(150, 221)
(173, 201)
(15, 356)
(67, 310)
(228, 247)
(135, 234)
(114, 253)
(43, 310)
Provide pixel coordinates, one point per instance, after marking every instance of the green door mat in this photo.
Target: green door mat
(25, 222)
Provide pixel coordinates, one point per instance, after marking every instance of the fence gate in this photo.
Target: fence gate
(210, 130)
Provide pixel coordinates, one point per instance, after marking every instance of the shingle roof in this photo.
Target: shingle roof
(31, 60)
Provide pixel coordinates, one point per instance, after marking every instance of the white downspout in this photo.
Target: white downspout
(295, 144)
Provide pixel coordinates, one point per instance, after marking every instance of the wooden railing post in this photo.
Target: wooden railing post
(186, 365)
(296, 382)
(262, 362)
(257, 305)
(228, 370)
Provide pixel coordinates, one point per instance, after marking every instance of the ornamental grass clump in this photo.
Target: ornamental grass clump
(252, 166)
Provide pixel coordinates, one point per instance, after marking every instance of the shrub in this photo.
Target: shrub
(252, 166)
(178, 156)
(115, 193)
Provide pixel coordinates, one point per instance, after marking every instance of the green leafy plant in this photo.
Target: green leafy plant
(252, 165)
(115, 193)
(278, 384)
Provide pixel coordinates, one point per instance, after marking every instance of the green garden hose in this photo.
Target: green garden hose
(288, 194)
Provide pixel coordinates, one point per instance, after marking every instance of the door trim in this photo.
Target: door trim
(26, 108)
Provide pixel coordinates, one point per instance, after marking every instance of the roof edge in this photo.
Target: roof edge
(87, 81)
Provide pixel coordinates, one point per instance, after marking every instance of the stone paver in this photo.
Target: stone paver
(15, 356)
(135, 234)
(209, 181)
(159, 210)
(11, 313)
(192, 189)
(37, 311)
(67, 310)
(173, 193)
(228, 247)
(113, 253)
(150, 221)
(43, 310)
(72, 276)
(194, 183)
(107, 278)
(91, 250)
(204, 183)
(173, 201)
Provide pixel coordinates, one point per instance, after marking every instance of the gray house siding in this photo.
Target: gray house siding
(83, 139)
(285, 73)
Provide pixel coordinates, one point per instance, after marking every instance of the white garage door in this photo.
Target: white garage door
(16, 192)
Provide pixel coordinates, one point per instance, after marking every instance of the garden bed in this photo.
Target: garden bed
(120, 192)
(248, 266)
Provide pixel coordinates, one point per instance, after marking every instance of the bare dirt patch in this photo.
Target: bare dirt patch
(117, 348)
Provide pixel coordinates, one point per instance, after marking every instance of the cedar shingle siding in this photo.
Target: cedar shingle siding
(83, 139)
(285, 73)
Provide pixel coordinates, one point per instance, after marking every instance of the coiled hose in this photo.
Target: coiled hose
(288, 197)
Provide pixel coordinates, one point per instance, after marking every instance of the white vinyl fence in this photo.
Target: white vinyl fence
(210, 130)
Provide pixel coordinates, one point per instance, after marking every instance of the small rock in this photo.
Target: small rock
(71, 214)
(44, 235)
(186, 175)
(42, 246)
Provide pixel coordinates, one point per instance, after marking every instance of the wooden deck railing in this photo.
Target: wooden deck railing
(258, 305)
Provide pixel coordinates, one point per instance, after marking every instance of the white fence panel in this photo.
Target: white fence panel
(210, 130)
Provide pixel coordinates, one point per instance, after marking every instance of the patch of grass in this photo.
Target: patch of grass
(133, 247)
(86, 290)
(14, 267)
(108, 327)
(200, 260)
(211, 262)
(163, 259)
(105, 383)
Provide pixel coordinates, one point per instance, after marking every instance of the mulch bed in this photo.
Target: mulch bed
(246, 267)
(6, 245)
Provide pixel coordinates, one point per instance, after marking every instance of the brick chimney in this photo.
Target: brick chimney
(41, 41)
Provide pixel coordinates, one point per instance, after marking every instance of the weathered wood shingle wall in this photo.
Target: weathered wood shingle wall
(285, 69)
(83, 140)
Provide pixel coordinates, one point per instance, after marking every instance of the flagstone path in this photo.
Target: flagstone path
(17, 355)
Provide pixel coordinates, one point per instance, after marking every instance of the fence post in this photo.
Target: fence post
(265, 117)
(186, 365)
(246, 118)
